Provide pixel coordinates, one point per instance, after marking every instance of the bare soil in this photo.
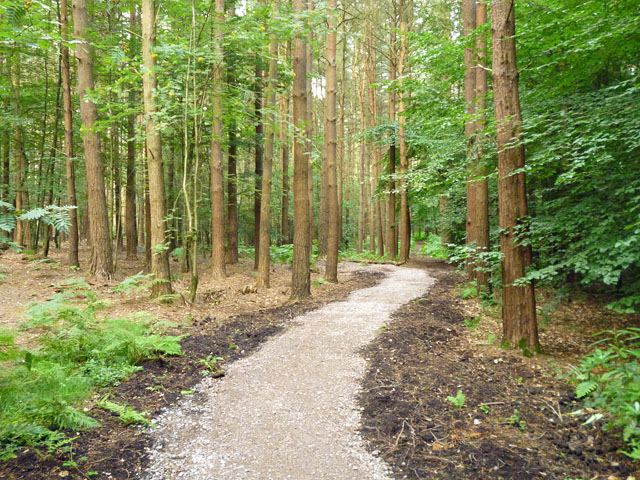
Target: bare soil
(223, 322)
(516, 422)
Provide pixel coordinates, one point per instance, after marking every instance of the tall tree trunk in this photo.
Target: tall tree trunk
(6, 168)
(518, 302)
(72, 253)
(468, 27)
(159, 256)
(309, 133)
(284, 149)
(130, 189)
(331, 270)
(22, 233)
(405, 230)
(300, 279)
(259, 146)
(264, 260)
(232, 195)
(217, 189)
(362, 204)
(53, 151)
(478, 187)
(101, 250)
(342, 165)
(392, 246)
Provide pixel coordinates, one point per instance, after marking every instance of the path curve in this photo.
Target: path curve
(289, 410)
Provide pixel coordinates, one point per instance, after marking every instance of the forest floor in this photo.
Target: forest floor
(515, 423)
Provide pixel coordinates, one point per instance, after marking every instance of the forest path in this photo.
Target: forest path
(289, 411)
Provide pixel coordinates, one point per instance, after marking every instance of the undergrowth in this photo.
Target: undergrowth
(433, 247)
(42, 390)
(608, 380)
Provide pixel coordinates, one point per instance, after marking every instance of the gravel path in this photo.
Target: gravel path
(288, 411)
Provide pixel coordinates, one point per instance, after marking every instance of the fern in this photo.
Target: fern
(15, 13)
(7, 222)
(585, 388)
(41, 391)
(135, 283)
(128, 416)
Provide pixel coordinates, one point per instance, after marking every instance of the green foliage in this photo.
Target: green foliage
(459, 400)
(211, 364)
(281, 253)
(472, 323)
(128, 415)
(608, 379)
(42, 390)
(433, 247)
(516, 420)
(136, 283)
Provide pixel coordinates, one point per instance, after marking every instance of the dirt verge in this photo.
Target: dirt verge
(115, 451)
(515, 422)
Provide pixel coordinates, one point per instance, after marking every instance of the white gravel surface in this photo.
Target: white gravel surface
(289, 410)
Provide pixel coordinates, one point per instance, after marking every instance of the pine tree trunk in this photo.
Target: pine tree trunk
(217, 190)
(101, 250)
(300, 279)
(259, 165)
(342, 165)
(479, 186)
(264, 258)
(72, 254)
(405, 229)
(518, 302)
(309, 132)
(130, 188)
(232, 196)
(331, 270)
(284, 149)
(159, 255)
(392, 246)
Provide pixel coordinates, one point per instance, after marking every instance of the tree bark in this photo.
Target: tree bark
(259, 165)
(284, 151)
(478, 187)
(159, 254)
(331, 269)
(232, 196)
(101, 251)
(217, 191)
(392, 245)
(518, 302)
(405, 230)
(264, 257)
(309, 131)
(300, 279)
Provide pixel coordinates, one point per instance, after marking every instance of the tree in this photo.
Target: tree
(159, 256)
(101, 251)
(518, 300)
(405, 230)
(264, 260)
(217, 192)
(475, 83)
(391, 239)
(130, 188)
(301, 276)
(72, 254)
(331, 145)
